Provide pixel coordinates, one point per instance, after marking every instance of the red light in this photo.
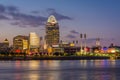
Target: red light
(87, 49)
(17, 51)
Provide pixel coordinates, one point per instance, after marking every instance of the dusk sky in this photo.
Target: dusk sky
(96, 18)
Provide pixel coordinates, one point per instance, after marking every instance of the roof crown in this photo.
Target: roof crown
(52, 19)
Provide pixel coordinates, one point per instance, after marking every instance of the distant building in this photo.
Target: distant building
(20, 43)
(97, 42)
(34, 42)
(52, 31)
(4, 45)
(65, 44)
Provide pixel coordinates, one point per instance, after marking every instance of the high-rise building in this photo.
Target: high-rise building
(34, 42)
(52, 31)
(20, 42)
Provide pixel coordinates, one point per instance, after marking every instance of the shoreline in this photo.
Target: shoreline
(56, 58)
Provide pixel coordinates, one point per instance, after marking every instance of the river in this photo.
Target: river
(60, 70)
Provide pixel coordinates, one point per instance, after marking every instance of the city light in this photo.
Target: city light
(31, 45)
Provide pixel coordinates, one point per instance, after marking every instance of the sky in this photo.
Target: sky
(95, 18)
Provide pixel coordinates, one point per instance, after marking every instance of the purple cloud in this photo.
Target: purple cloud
(90, 40)
(12, 9)
(34, 21)
(2, 17)
(58, 16)
(2, 8)
(70, 36)
(28, 20)
(20, 19)
(74, 32)
(35, 12)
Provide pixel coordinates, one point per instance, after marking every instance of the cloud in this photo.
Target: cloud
(12, 9)
(70, 36)
(74, 32)
(2, 17)
(28, 20)
(58, 16)
(21, 19)
(24, 20)
(90, 40)
(35, 12)
(2, 8)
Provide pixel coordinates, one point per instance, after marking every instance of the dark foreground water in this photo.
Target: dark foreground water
(60, 70)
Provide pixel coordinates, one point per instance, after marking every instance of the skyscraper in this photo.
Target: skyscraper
(34, 42)
(52, 31)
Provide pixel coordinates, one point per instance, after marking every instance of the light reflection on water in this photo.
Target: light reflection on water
(60, 70)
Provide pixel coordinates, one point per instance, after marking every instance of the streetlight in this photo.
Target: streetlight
(81, 46)
(81, 35)
(85, 43)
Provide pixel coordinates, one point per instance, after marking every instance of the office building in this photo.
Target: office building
(34, 42)
(52, 32)
(20, 43)
(4, 45)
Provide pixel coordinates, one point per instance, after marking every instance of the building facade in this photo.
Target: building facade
(20, 43)
(52, 31)
(4, 45)
(34, 42)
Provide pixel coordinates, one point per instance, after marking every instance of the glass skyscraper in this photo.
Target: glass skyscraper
(52, 31)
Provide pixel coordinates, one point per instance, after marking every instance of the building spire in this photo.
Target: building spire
(52, 19)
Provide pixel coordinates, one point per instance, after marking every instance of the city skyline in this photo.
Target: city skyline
(98, 19)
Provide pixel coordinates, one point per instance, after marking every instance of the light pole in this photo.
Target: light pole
(81, 45)
(81, 35)
(85, 43)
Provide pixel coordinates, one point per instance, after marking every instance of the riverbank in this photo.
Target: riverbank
(54, 58)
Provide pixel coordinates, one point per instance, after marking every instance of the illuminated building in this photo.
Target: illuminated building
(34, 42)
(52, 31)
(4, 45)
(20, 43)
(25, 44)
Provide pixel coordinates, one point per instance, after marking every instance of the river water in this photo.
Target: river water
(60, 70)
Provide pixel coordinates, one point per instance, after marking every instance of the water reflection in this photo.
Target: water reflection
(60, 70)
(34, 77)
(17, 77)
(34, 65)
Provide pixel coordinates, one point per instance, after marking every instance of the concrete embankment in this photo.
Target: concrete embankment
(55, 58)
(71, 58)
